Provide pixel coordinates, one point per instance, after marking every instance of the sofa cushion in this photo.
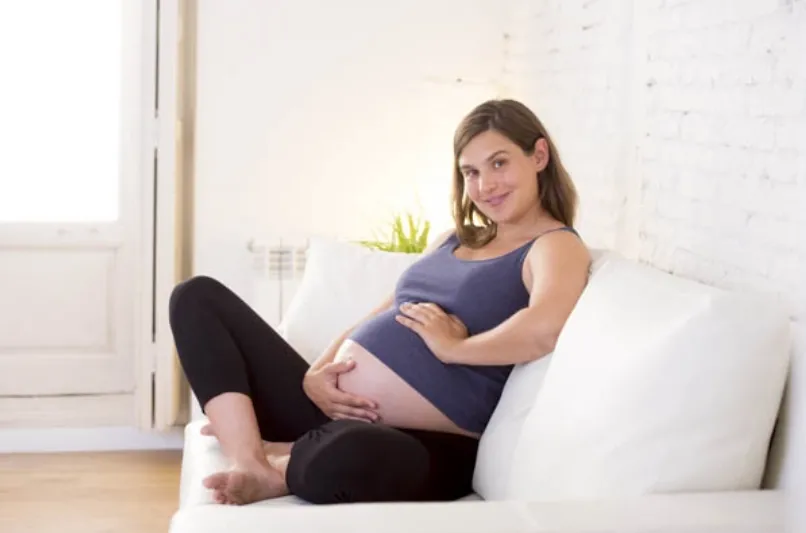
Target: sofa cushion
(657, 384)
(735, 512)
(495, 458)
(341, 284)
(494, 462)
(750, 512)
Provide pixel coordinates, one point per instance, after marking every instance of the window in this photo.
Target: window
(60, 112)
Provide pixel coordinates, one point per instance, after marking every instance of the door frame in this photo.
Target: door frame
(159, 394)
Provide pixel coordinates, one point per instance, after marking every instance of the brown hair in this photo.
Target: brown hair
(557, 194)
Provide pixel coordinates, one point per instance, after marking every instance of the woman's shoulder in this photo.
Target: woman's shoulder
(562, 243)
(443, 238)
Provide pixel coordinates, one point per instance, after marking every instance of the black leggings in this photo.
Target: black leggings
(224, 346)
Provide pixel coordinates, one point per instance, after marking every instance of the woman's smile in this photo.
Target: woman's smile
(496, 201)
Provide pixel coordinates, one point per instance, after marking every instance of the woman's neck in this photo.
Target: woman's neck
(525, 228)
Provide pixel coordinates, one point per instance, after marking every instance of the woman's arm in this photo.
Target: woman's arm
(558, 266)
(330, 353)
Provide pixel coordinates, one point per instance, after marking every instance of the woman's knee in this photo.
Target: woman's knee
(191, 292)
(352, 461)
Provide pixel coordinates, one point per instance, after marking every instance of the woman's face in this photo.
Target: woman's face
(499, 178)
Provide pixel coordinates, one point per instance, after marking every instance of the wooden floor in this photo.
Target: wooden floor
(119, 492)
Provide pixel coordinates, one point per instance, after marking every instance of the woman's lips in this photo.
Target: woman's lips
(495, 201)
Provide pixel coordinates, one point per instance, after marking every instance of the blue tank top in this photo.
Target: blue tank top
(483, 294)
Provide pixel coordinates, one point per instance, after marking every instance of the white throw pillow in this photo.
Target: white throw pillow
(657, 384)
(342, 283)
(494, 461)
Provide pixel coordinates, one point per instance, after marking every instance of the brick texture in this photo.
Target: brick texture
(693, 114)
(725, 120)
(684, 126)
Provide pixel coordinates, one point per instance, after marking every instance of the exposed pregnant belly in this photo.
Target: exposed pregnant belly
(400, 405)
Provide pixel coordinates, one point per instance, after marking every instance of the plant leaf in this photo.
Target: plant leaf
(422, 241)
(400, 236)
(406, 234)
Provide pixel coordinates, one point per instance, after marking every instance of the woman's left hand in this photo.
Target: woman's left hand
(443, 333)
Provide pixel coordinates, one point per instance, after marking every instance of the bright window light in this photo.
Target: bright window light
(60, 110)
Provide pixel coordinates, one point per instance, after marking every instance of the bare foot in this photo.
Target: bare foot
(243, 485)
(279, 462)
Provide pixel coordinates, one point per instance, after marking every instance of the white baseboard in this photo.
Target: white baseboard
(54, 440)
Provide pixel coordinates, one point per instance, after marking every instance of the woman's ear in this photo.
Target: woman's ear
(541, 154)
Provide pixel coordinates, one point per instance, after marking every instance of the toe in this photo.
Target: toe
(235, 488)
(216, 481)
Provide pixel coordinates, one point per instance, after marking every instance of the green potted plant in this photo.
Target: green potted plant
(405, 235)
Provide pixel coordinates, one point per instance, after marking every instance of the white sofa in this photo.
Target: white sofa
(654, 414)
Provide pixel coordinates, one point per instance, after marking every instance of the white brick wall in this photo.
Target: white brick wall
(725, 111)
(684, 126)
(568, 61)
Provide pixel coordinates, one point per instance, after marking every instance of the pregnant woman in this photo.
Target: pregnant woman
(394, 408)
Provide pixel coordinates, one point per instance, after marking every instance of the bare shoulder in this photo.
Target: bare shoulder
(557, 256)
(561, 243)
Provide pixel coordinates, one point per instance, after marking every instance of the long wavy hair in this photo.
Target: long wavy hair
(556, 192)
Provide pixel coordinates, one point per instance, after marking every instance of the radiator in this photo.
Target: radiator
(278, 265)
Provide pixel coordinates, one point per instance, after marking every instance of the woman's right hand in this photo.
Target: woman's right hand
(321, 386)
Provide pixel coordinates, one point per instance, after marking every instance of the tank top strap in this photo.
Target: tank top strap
(562, 228)
(452, 242)
(524, 250)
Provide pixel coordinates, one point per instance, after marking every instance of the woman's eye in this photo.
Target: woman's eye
(471, 174)
(498, 163)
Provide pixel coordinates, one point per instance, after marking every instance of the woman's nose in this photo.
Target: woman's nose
(486, 184)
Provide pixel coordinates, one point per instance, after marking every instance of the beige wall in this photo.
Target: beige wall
(319, 117)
